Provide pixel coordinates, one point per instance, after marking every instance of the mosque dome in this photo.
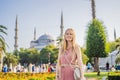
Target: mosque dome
(45, 37)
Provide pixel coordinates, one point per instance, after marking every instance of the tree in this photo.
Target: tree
(2, 44)
(49, 53)
(2, 31)
(27, 56)
(117, 41)
(111, 46)
(10, 58)
(84, 57)
(117, 60)
(2, 40)
(118, 55)
(96, 42)
(34, 56)
(24, 57)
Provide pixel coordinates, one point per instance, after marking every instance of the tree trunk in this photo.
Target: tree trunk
(93, 8)
(96, 64)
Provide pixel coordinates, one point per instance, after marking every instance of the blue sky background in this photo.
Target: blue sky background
(45, 16)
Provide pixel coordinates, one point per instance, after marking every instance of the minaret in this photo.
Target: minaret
(61, 26)
(16, 35)
(114, 34)
(35, 33)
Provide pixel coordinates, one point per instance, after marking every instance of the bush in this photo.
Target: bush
(114, 75)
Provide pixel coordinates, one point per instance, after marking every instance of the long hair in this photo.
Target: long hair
(64, 42)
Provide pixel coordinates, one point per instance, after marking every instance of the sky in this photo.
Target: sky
(45, 15)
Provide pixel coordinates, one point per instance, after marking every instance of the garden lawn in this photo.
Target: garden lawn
(94, 75)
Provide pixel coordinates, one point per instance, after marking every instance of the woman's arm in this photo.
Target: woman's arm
(79, 60)
(58, 66)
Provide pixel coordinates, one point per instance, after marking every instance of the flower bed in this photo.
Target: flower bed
(27, 76)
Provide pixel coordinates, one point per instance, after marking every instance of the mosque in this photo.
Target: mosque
(42, 40)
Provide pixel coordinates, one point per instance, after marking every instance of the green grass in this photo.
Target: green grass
(116, 73)
(94, 75)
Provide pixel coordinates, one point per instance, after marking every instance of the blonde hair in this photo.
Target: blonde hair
(64, 42)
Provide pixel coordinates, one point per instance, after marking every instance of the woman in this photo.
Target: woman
(69, 54)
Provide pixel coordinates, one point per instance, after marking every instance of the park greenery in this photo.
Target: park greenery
(3, 32)
(27, 56)
(96, 42)
(10, 58)
(49, 53)
(117, 61)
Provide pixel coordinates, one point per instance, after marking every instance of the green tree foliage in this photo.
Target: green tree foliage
(84, 56)
(111, 46)
(118, 41)
(24, 57)
(10, 58)
(48, 53)
(2, 40)
(16, 53)
(2, 43)
(118, 48)
(96, 41)
(27, 56)
(117, 61)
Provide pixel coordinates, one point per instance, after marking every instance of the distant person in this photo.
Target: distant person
(33, 68)
(49, 68)
(5, 68)
(107, 66)
(89, 66)
(18, 67)
(113, 68)
(116, 66)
